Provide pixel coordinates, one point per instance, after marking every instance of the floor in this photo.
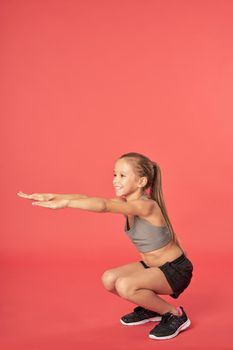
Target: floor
(62, 305)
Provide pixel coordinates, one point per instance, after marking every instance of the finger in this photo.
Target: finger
(42, 204)
(20, 193)
(24, 195)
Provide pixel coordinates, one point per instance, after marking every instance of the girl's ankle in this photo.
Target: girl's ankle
(176, 311)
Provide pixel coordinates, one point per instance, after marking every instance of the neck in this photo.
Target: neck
(134, 196)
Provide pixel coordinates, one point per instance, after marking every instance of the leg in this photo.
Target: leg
(142, 287)
(110, 277)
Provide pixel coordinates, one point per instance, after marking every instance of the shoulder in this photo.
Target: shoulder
(139, 207)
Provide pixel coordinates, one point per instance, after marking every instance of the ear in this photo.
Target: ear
(142, 181)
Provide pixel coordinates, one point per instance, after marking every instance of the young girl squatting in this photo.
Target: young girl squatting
(164, 268)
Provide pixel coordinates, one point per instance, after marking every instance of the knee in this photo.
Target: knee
(108, 279)
(125, 288)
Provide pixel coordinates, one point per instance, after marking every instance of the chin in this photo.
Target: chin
(119, 195)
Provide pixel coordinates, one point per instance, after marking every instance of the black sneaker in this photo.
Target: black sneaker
(140, 316)
(170, 325)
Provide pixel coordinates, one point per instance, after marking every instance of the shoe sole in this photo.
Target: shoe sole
(181, 328)
(152, 319)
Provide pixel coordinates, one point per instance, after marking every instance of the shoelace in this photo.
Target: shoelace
(168, 319)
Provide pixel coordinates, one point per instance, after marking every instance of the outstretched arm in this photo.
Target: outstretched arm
(136, 207)
(50, 196)
(70, 196)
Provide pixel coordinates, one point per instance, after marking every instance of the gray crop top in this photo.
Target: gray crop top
(146, 236)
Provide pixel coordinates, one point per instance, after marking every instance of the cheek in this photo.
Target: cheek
(128, 182)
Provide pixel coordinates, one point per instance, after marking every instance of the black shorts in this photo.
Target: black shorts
(178, 274)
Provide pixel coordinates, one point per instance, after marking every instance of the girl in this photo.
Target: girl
(164, 268)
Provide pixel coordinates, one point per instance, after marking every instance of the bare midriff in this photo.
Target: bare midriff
(160, 256)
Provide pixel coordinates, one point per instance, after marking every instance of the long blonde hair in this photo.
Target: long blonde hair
(145, 167)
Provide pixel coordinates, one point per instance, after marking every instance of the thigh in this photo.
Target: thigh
(126, 270)
(152, 278)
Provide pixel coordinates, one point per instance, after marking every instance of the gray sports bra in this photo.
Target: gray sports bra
(146, 236)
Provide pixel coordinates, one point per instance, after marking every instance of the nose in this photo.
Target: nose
(115, 182)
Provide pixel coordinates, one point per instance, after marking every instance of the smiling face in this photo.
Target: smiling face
(125, 181)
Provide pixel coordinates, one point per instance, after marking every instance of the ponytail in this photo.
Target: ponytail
(156, 194)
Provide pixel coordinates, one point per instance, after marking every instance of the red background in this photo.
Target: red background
(83, 82)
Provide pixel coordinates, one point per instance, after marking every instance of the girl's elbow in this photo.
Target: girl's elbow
(101, 207)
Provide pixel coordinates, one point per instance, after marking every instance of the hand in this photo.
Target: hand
(37, 196)
(55, 204)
